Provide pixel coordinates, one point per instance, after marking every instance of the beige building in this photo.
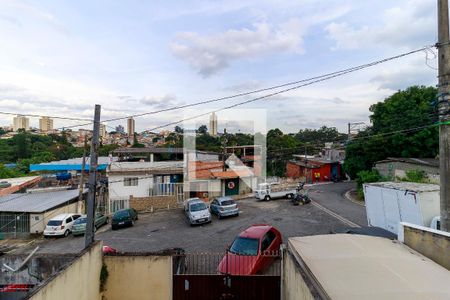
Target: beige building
(21, 122)
(103, 131)
(45, 124)
(213, 124)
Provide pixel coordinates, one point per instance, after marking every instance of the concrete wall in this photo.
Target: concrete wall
(398, 169)
(138, 277)
(78, 280)
(293, 285)
(118, 190)
(153, 203)
(434, 244)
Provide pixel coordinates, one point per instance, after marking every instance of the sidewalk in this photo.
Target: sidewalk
(352, 196)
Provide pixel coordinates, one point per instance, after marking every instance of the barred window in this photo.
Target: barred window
(130, 181)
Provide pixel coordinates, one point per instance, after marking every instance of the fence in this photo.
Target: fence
(14, 225)
(167, 189)
(118, 204)
(267, 264)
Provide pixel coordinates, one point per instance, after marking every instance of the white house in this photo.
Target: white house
(142, 179)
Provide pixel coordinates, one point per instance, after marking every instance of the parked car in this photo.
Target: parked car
(224, 206)
(60, 225)
(79, 226)
(252, 252)
(124, 217)
(197, 211)
(269, 191)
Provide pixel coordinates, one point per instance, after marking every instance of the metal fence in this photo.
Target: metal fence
(268, 264)
(13, 225)
(167, 189)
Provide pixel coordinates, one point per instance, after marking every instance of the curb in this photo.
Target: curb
(349, 198)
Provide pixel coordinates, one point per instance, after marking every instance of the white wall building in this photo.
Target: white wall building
(45, 124)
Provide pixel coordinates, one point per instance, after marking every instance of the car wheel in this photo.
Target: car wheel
(66, 233)
(113, 227)
(267, 198)
(132, 222)
(137, 217)
(107, 221)
(289, 196)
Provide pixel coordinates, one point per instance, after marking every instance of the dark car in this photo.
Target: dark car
(252, 252)
(124, 217)
(224, 206)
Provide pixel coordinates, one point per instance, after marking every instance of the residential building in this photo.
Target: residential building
(102, 132)
(45, 124)
(213, 124)
(30, 212)
(142, 180)
(393, 167)
(21, 122)
(314, 169)
(130, 129)
(120, 129)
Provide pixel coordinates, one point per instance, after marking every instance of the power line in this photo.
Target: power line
(40, 116)
(314, 79)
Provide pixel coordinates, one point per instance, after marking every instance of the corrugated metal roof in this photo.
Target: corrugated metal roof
(148, 150)
(36, 202)
(72, 164)
(406, 186)
(373, 268)
(432, 162)
(146, 166)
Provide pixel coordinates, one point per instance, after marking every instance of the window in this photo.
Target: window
(198, 206)
(245, 246)
(130, 181)
(54, 223)
(267, 240)
(68, 220)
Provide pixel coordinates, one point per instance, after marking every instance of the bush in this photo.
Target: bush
(366, 177)
(416, 175)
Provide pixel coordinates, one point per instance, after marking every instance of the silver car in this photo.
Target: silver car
(197, 211)
(224, 207)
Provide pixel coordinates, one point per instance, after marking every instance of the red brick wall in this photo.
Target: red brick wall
(292, 170)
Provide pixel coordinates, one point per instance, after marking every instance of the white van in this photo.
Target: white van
(60, 225)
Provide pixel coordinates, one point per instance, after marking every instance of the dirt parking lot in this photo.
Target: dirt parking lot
(168, 229)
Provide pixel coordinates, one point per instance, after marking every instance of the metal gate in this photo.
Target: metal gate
(196, 276)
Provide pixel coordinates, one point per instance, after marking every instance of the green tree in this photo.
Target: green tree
(396, 130)
(202, 129)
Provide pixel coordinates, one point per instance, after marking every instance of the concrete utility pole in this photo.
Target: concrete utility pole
(89, 235)
(83, 166)
(444, 111)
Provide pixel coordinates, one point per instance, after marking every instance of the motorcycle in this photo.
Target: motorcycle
(301, 197)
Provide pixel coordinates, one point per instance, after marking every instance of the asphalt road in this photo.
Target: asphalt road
(169, 229)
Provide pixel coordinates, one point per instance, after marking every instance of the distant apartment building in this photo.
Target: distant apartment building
(120, 129)
(45, 124)
(130, 129)
(213, 124)
(103, 131)
(21, 122)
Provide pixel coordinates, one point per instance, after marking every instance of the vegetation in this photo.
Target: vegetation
(366, 177)
(399, 130)
(416, 175)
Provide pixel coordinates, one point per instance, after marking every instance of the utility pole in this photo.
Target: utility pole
(89, 235)
(83, 167)
(349, 128)
(444, 112)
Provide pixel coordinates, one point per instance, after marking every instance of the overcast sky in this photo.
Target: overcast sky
(61, 57)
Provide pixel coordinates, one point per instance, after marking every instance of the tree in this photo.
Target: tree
(202, 129)
(396, 130)
(178, 129)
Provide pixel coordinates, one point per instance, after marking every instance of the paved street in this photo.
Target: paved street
(168, 229)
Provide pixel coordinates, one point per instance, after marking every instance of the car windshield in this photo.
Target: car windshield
(198, 206)
(80, 221)
(227, 202)
(121, 214)
(54, 223)
(245, 246)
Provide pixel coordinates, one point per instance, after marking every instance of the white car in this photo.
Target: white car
(60, 225)
(197, 211)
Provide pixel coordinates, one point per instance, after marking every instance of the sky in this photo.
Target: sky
(60, 58)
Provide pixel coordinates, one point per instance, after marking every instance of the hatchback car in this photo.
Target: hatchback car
(124, 217)
(197, 211)
(60, 225)
(224, 207)
(252, 252)
(79, 226)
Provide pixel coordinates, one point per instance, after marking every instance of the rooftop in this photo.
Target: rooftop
(18, 183)
(36, 202)
(71, 164)
(147, 166)
(433, 162)
(378, 267)
(406, 186)
(147, 150)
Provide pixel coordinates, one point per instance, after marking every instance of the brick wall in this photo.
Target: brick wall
(153, 203)
(292, 170)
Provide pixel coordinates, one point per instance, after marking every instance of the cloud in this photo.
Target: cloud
(211, 54)
(160, 102)
(412, 22)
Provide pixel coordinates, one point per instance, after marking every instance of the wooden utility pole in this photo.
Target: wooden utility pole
(444, 112)
(93, 163)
